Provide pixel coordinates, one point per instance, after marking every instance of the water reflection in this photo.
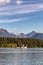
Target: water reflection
(21, 58)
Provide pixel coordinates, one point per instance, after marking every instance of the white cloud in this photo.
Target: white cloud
(29, 8)
(4, 1)
(19, 2)
(16, 10)
(13, 20)
(22, 9)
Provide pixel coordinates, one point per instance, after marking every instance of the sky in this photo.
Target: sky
(21, 16)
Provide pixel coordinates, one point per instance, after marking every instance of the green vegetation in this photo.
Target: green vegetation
(18, 42)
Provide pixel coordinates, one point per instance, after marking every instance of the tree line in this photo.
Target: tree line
(18, 42)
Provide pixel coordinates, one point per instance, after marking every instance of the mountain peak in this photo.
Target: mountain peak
(34, 31)
(3, 30)
(29, 35)
(33, 34)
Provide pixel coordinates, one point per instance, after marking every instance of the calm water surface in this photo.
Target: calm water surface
(21, 56)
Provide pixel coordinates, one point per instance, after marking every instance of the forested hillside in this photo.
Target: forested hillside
(18, 42)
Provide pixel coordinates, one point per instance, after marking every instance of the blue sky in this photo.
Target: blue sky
(21, 16)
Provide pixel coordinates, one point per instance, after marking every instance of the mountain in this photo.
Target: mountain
(29, 35)
(38, 36)
(5, 33)
(21, 35)
(33, 34)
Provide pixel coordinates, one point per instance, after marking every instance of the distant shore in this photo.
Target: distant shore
(20, 42)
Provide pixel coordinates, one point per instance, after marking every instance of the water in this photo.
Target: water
(21, 56)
